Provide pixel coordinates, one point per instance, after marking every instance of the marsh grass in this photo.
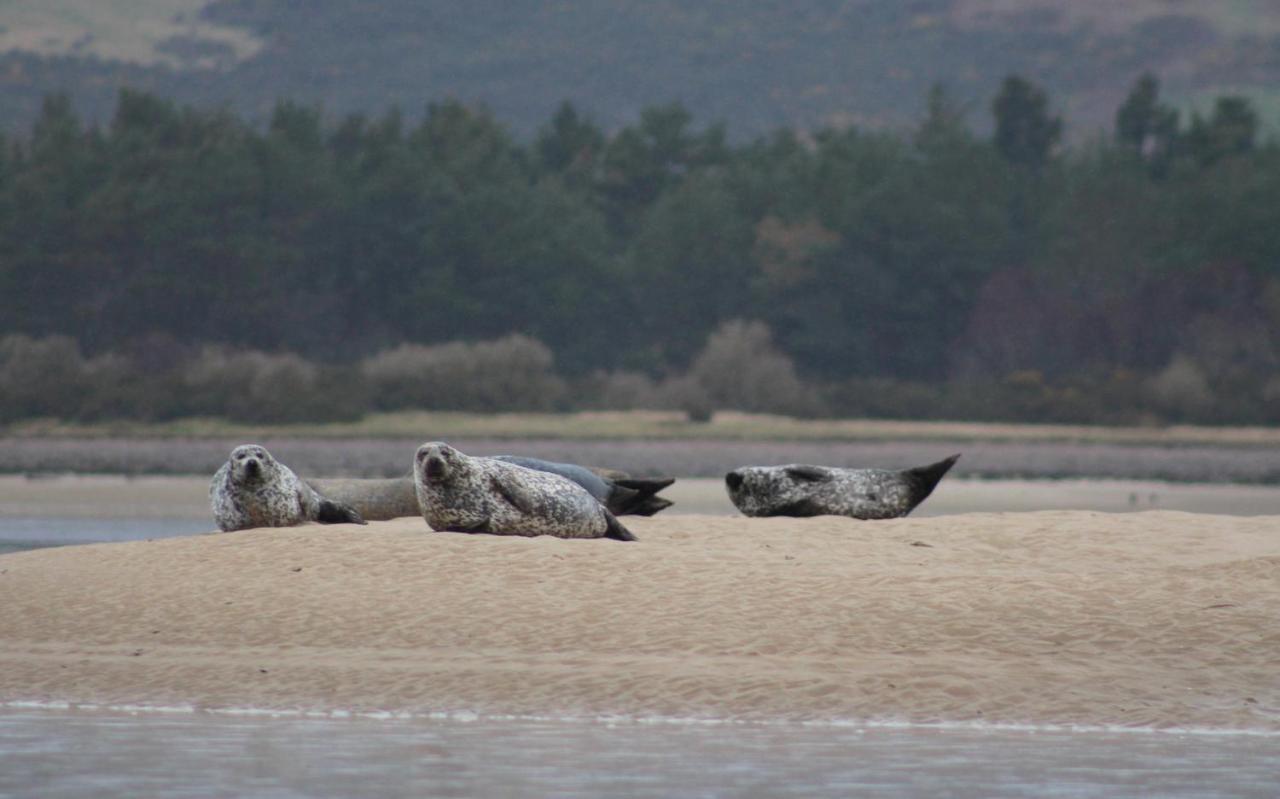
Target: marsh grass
(653, 425)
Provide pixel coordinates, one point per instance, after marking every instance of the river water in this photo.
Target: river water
(72, 754)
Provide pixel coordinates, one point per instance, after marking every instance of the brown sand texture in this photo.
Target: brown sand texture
(1158, 618)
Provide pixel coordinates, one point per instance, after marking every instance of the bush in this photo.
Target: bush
(740, 368)
(40, 377)
(509, 374)
(269, 388)
(618, 391)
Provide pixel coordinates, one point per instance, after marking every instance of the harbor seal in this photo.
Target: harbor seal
(803, 490)
(253, 489)
(619, 492)
(396, 497)
(457, 493)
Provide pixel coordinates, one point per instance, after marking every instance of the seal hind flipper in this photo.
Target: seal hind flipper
(923, 479)
(809, 474)
(331, 512)
(644, 502)
(615, 530)
(649, 506)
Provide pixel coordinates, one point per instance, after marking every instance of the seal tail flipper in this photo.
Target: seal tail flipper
(615, 530)
(642, 500)
(923, 479)
(337, 513)
(650, 506)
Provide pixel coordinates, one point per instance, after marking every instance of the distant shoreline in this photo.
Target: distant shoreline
(654, 425)
(649, 443)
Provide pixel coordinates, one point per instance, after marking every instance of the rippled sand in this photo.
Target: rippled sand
(1155, 618)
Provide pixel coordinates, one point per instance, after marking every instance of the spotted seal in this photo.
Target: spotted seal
(396, 497)
(803, 490)
(253, 489)
(457, 493)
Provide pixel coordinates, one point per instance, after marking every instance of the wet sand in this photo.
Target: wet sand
(1156, 618)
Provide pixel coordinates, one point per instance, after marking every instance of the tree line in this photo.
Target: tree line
(1133, 276)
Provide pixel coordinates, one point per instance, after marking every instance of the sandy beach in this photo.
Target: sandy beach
(1157, 618)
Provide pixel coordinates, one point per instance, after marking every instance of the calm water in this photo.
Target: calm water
(51, 531)
(52, 755)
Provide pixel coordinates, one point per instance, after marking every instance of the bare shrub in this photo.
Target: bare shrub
(1181, 389)
(618, 391)
(515, 373)
(685, 393)
(40, 377)
(255, 386)
(740, 368)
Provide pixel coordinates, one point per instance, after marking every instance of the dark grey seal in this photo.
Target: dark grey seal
(395, 497)
(253, 489)
(620, 493)
(803, 490)
(457, 493)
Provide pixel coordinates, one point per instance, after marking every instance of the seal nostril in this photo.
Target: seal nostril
(733, 480)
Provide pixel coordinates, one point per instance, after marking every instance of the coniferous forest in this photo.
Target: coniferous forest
(175, 261)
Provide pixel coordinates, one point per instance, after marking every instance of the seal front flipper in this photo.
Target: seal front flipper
(615, 530)
(331, 512)
(514, 494)
(809, 474)
(800, 509)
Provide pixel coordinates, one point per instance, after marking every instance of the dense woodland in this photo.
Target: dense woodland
(931, 272)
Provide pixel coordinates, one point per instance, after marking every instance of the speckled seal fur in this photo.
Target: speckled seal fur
(457, 493)
(803, 490)
(253, 489)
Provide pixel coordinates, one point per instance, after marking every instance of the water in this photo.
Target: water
(70, 754)
(19, 533)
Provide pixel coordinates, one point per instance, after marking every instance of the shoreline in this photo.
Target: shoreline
(1071, 619)
(18, 706)
(391, 456)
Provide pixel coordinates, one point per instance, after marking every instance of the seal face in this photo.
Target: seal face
(803, 490)
(457, 493)
(253, 489)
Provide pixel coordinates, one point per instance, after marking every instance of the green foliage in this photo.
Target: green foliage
(1025, 132)
(193, 263)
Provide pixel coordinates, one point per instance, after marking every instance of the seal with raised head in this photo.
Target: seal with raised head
(803, 490)
(253, 489)
(392, 498)
(457, 493)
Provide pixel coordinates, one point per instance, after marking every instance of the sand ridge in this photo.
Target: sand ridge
(1066, 617)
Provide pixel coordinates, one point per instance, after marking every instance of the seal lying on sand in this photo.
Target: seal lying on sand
(801, 490)
(375, 499)
(253, 489)
(619, 492)
(392, 498)
(457, 493)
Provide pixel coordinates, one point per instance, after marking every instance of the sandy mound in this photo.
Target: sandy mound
(1155, 618)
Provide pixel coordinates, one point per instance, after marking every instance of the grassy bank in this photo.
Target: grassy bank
(654, 425)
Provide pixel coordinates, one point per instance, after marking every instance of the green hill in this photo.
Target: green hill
(755, 64)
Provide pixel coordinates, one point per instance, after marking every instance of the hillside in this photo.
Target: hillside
(756, 65)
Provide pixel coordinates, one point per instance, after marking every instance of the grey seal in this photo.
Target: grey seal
(458, 493)
(396, 497)
(253, 489)
(617, 491)
(803, 490)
